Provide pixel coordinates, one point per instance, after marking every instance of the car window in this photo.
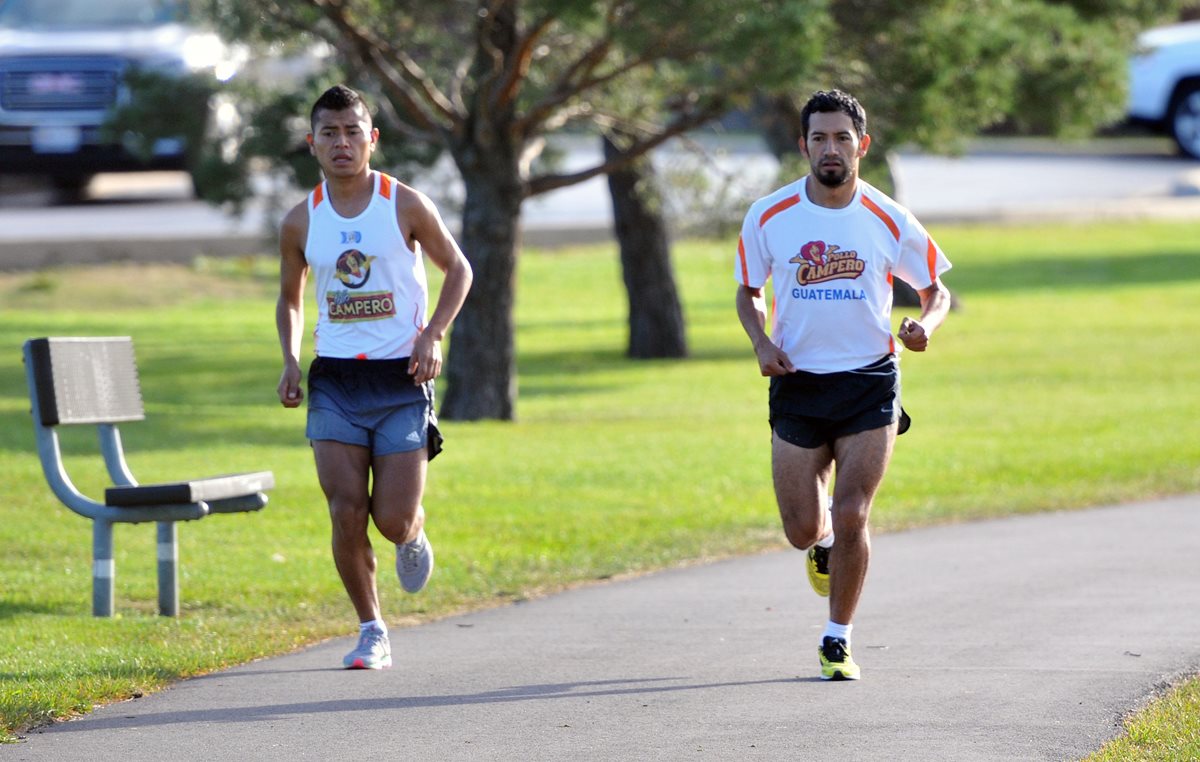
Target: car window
(86, 14)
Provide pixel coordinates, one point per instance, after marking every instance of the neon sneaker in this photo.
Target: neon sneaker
(414, 563)
(372, 652)
(818, 570)
(836, 662)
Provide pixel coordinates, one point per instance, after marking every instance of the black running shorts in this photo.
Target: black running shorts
(814, 409)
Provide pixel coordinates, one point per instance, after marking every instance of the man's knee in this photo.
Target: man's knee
(348, 514)
(804, 529)
(397, 521)
(850, 519)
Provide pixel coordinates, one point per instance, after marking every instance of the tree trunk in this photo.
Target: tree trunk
(481, 373)
(780, 121)
(656, 326)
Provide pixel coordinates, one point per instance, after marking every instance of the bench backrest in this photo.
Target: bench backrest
(86, 380)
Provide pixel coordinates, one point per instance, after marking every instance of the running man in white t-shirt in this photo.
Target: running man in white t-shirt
(831, 244)
(361, 235)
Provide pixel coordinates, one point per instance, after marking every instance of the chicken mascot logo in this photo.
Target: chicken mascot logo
(353, 268)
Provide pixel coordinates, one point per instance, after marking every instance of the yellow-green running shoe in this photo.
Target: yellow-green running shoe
(836, 662)
(818, 570)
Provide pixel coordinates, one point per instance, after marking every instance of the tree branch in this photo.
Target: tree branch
(519, 65)
(580, 75)
(536, 118)
(409, 84)
(682, 123)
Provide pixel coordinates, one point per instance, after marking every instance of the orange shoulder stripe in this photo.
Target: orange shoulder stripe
(931, 259)
(385, 186)
(318, 195)
(742, 259)
(784, 205)
(891, 224)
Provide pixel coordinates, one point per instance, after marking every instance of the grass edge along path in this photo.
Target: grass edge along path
(1167, 727)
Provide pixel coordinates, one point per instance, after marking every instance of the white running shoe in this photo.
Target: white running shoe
(372, 652)
(414, 563)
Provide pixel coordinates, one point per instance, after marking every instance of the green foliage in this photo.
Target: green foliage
(1072, 71)
(162, 106)
(277, 130)
(938, 73)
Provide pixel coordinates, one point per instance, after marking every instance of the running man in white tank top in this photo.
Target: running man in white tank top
(831, 244)
(361, 235)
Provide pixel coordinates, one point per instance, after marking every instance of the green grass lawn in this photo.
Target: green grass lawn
(1065, 380)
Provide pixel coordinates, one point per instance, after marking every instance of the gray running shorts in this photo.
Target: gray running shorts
(372, 404)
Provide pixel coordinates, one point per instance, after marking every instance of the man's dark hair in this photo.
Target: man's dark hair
(834, 101)
(337, 98)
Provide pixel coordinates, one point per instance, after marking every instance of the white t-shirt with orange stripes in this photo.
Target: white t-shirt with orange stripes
(832, 272)
(372, 293)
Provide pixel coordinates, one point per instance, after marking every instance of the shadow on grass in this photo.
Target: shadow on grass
(159, 432)
(10, 609)
(534, 389)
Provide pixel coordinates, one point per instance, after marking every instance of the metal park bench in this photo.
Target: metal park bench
(95, 381)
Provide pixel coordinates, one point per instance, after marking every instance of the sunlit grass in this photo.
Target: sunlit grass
(1065, 380)
(1168, 730)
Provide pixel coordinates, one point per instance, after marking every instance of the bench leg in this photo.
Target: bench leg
(168, 569)
(103, 568)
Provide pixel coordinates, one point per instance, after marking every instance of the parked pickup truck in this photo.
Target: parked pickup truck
(1164, 83)
(63, 67)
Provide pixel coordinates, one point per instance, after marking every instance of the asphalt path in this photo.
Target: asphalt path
(1027, 638)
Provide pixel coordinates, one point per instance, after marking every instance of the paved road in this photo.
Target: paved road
(152, 217)
(1020, 639)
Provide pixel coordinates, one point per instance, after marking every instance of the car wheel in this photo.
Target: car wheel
(70, 189)
(1185, 120)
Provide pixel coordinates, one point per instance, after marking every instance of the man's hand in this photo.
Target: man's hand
(290, 393)
(772, 361)
(426, 361)
(912, 335)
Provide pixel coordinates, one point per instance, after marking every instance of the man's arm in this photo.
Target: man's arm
(935, 305)
(419, 216)
(752, 312)
(289, 310)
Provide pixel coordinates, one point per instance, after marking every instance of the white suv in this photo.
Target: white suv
(62, 70)
(1164, 83)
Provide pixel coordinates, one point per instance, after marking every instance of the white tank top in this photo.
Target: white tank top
(371, 289)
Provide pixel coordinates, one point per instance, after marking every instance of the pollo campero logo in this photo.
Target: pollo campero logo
(350, 304)
(821, 262)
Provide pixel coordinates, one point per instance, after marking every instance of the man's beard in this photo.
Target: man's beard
(832, 178)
